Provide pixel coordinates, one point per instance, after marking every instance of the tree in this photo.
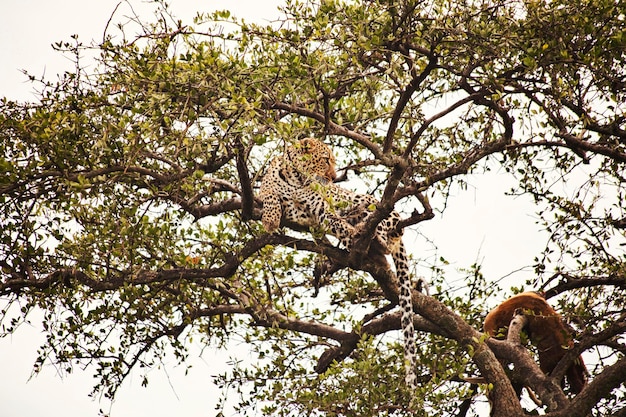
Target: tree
(129, 214)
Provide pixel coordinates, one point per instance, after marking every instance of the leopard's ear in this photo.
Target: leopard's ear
(306, 144)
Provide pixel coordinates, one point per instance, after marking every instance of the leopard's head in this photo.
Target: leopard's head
(313, 158)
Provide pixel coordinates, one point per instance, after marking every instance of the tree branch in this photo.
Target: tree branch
(528, 373)
(333, 128)
(504, 397)
(404, 98)
(600, 387)
(247, 196)
(570, 282)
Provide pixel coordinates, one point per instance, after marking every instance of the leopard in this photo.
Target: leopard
(298, 187)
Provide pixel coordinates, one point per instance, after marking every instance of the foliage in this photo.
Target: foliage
(128, 210)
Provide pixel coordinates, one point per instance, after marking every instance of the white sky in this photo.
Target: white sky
(480, 225)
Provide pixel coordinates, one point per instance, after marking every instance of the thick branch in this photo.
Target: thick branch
(527, 372)
(516, 326)
(601, 386)
(576, 143)
(617, 327)
(505, 398)
(526, 369)
(267, 317)
(89, 174)
(375, 327)
(201, 276)
(570, 282)
(206, 210)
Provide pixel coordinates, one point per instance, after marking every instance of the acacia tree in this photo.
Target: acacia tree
(129, 215)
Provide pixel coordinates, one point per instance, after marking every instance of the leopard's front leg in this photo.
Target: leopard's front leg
(272, 212)
(315, 206)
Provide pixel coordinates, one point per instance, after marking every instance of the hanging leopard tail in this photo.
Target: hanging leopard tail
(405, 300)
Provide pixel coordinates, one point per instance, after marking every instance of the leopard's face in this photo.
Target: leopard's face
(313, 158)
(306, 162)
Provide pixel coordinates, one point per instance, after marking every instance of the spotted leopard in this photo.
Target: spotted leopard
(298, 187)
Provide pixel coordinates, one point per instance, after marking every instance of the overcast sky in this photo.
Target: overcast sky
(479, 225)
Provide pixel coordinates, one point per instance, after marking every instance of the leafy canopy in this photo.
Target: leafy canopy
(129, 216)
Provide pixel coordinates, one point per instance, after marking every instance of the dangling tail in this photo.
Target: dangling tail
(405, 300)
